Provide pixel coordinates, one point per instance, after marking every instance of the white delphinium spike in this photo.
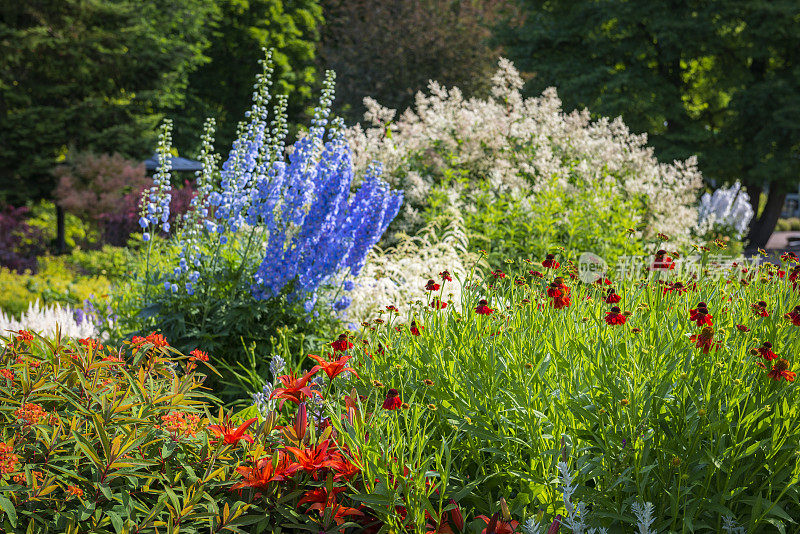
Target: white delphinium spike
(644, 517)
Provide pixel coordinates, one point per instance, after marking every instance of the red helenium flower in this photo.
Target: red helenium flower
(432, 285)
(392, 401)
(615, 317)
(483, 308)
(781, 370)
(550, 262)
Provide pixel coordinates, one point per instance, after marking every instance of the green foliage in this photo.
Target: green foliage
(88, 75)
(77, 232)
(56, 282)
(221, 316)
(641, 410)
(790, 224)
(102, 440)
(222, 88)
(698, 77)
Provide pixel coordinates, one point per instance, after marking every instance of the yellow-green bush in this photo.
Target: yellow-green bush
(56, 282)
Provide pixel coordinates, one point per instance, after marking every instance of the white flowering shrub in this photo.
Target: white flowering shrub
(48, 320)
(527, 175)
(726, 211)
(395, 276)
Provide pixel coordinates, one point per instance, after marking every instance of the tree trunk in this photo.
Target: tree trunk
(61, 242)
(761, 227)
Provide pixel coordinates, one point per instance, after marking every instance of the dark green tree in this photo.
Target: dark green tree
(88, 75)
(716, 79)
(390, 49)
(223, 87)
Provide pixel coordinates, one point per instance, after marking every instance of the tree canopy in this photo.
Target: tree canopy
(716, 79)
(222, 87)
(88, 75)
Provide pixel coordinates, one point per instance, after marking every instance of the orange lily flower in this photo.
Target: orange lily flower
(262, 474)
(295, 389)
(333, 368)
(314, 459)
(231, 435)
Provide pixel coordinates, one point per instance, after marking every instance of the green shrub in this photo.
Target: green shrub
(102, 440)
(56, 282)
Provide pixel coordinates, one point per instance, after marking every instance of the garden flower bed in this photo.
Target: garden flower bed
(662, 402)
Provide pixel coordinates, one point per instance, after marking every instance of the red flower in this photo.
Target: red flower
(793, 276)
(536, 274)
(550, 262)
(704, 340)
(496, 525)
(483, 308)
(789, 256)
(432, 285)
(700, 315)
(765, 351)
(392, 401)
(157, 340)
(612, 297)
(438, 304)
(392, 309)
(615, 316)
(263, 473)
(662, 262)
(760, 309)
(231, 435)
(333, 368)
(8, 373)
(414, 329)
(794, 316)
(295, 389)
(198, 354)
(24, 336)
(446, 276)
(311, 460)
(742, 328)
(342, 344)
(555, 526)
(559, 293)
(603, 281)
(498, 274)
(781, 370)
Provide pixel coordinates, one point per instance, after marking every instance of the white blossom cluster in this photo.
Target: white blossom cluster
(522, 146)
(397, 276)
(728, 210)
(46, 321)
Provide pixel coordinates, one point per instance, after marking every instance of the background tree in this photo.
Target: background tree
(719, 79)
(222, 88)
(390, 49)
(88, 75)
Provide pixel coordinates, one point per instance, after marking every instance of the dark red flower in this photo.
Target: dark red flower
(438, 304)
(612, 297)
(742, 328)
(794, 316)
(414, 329)
(705, 340)
(536, 274)
(789, 256)
(760, 309)
(765, 351)
(781, 370)
(559, 294)
(550, 262)
(392, 401)
(662, 262)
(615, 316)
(483, 308)
(603, 281)
(342, 344)
(700, 315)
(498, 274)
(446, 276)
(432, 285)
